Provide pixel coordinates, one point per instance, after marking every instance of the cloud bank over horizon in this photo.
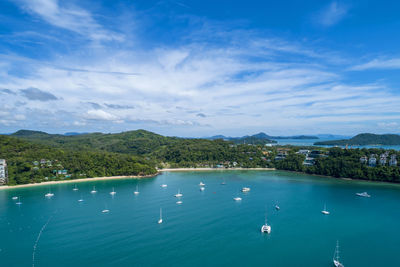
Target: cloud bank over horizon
(94, 66)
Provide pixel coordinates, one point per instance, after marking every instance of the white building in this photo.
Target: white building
(3, 171)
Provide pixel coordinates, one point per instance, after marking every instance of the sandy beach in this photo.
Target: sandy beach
(77, 181)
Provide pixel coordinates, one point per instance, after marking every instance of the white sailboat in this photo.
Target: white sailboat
(179, 202)
(160, 220)
(237, 198)
(163, 185)
(202, 188)
(75, 188)
(336, 261)
(49, 194)
(14, 198)
(363, 194)
(105, 211)
(277, 207)
(202, 184)
(179, 194)
(113, 192)
(137, 190)
(245, 189)
(324, 211)
(19, 201)
(81, 199)
(94, 190)
(266, 228)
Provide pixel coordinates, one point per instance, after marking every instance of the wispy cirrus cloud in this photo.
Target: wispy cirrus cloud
(393, 63)
(332, 14)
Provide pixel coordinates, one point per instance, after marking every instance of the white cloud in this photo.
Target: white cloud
(332, 14)
(98, 114)
(379, 64)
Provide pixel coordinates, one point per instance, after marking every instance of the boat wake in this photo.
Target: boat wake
(37, 240)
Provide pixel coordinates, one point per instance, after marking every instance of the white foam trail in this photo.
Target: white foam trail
(37, 240)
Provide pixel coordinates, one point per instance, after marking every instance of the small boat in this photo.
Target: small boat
(105, 211)
(223, 183)
(336, 261)
(49, 194)
(163, 185)
(136, 191)
(160, 220)
(266, 228)
(237, 198)
(75, 188)
(363, 194)
(179, 194)
(179, 202)
(245, 189)
(14, 198)
(80, 200)
(324, 211)
(113, 192)
(202, 188)
(94, 190)
(19, 201)
(202, 184)
(277, 207)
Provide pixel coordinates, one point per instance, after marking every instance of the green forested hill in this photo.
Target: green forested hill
(366, 139)
(23, 160)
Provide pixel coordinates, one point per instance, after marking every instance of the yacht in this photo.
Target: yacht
(75, 188)
(136, 191)
(113, 192)
(80, 200)
(94, 190)
(179, 202)
(363, 194)
(160, 220)
(14, 198)
(105, 211)
(163, 185)
(266, 228)
(49, 194)
(223, 183)
(19, 201)
(277, 207)
(336, 261)
(324, 211)
(202, 184)
(179, 194)
(245, 189)
(202, 188)
(237, 198)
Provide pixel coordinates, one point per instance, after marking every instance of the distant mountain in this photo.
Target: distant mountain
(260, 138)
(333, 136)
(365, 139)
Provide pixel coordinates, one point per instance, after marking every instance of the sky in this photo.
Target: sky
(200, 68)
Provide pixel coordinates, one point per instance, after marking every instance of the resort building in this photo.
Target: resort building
(3, 172)
(372, 161)
(364, 160)
(382, 160)
(393, 161)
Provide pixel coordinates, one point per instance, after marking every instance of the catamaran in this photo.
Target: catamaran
(324, 211)
(179, 194)
(113, 192)
(137, 190)
(94, 190)
(336, 261)
(160, 220)
(363, 194)
(266, 228)
(75, 188)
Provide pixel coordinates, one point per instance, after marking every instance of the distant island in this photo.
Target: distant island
(260, 138)
(364, 139)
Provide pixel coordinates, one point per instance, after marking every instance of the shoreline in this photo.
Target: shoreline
(80, 180)
(214, 169)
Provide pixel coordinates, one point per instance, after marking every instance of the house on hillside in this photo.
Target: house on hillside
(364, 160)
(393, 161)
(3, 172)
(382, 160)
(372, 161)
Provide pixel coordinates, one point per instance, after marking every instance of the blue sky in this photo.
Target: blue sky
(200, 68)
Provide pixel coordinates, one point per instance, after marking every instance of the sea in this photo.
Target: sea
(208, 228)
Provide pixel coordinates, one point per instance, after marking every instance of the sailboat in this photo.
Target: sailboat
(179, 194)
(202, 184)
(277, 207)
(266, 228)
(336, 261)
(113, 192)
(75, 188)
(324, 211)
(49, 194)
(163, 185)
(94, 190)
(160, 220)
(19, 201)
(202, 188)
(137, 190)
(81, 199)
(14, 198)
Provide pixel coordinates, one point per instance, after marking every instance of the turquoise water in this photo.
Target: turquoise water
(208, 228)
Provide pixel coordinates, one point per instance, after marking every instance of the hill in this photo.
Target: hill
(30, 162)
(365, 139)
(260, 138)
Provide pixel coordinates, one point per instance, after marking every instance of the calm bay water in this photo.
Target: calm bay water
(209, 228)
